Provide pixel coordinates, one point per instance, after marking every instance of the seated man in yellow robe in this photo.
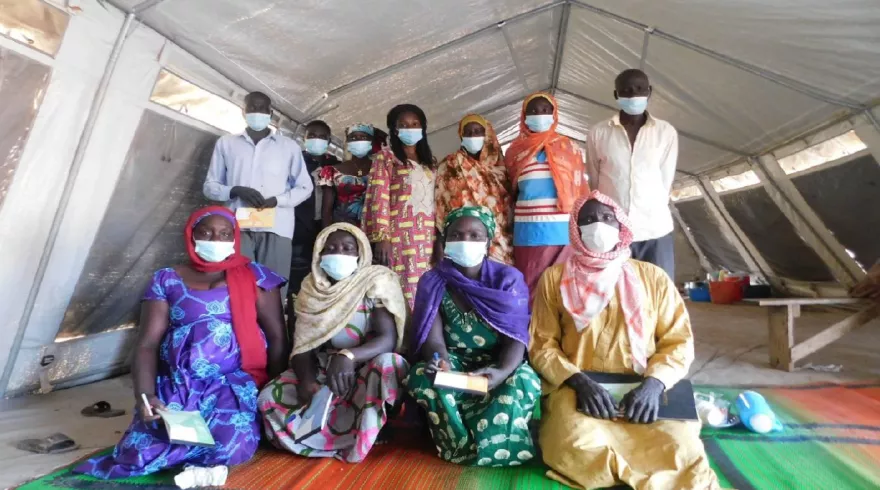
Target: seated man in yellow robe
(601, 311)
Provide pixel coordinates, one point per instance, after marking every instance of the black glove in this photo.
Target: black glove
(251, 197)
(592, 398)
(642, 404)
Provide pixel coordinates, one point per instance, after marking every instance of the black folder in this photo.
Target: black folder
(676, 403)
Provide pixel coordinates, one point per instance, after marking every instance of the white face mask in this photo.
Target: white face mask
(339, 266)
(600, 237)
(214, 251)
(465, 254)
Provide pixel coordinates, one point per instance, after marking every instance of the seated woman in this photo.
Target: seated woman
(473, 314)
(202, 347)
(602, 312)
(475, 175)
(344, 186)
(349, 322)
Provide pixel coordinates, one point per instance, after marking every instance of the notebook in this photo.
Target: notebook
(476, 385)
(314, 418)
(676, 403)
(187, 428)
(255, 218)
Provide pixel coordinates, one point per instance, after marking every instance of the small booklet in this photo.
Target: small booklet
(476, 385)
(188, 428)
(255, 218)
(314, 417)
(676, 403)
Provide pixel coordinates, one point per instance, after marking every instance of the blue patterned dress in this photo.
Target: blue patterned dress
(199, 370)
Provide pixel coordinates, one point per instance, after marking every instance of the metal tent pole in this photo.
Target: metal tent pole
(560, 47)
(704, 261)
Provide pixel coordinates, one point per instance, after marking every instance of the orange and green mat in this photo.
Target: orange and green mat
(831, 441)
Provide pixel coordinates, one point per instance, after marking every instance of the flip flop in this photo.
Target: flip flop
(57, 443)
(102, 409)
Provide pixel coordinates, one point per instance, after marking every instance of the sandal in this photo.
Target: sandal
(57, 443)
(103, 410)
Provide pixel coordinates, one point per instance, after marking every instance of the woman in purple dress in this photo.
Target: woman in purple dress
(211, 334)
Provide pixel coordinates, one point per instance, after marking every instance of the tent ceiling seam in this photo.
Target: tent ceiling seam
(808, 90)
(516, 64)
(560, 46)
(144, 6)
(644, 57)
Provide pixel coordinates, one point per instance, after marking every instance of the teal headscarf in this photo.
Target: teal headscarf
(483, 214)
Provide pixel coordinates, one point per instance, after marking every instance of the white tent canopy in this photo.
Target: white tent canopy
(95, 175)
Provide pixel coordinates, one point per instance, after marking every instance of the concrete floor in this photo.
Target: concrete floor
(731, 349)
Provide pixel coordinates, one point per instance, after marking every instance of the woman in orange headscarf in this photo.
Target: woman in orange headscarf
(475, 176)
(547, 176)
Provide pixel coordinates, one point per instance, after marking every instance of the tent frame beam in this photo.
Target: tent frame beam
(756, 263)
(516, 64)
(805, 221)
(560, 47)
(704, 261)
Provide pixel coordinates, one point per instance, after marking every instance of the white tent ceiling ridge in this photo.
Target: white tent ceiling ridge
(316, 108)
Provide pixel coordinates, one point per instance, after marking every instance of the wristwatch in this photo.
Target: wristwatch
(345, 352)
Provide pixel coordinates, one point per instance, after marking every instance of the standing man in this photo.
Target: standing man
(631, 158)
(260, 168)
(308, 218)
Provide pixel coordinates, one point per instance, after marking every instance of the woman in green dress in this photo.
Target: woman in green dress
(471, 315)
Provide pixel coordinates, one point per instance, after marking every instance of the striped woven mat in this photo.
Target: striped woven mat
(831, 441)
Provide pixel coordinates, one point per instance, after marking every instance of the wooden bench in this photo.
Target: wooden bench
(782, 315)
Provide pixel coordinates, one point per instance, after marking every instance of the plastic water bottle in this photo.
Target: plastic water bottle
(756, 414)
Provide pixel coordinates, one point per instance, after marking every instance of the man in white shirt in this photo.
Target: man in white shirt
(631, 158)
(261, 168)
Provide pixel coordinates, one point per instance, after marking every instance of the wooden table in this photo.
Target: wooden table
(782, 315)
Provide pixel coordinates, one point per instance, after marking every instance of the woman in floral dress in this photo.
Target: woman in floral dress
(472, 316)
(475, 175)
(211, 333)
(344, 186)
(349, 326)
(399, 209)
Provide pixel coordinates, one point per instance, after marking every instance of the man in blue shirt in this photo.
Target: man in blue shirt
(261, 168)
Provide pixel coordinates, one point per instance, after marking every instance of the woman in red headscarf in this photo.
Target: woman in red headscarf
(211, 334)
(547, 176)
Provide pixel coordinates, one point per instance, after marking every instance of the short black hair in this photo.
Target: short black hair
(258, 95)
(630, 73)
(319, 123)
(423, 149)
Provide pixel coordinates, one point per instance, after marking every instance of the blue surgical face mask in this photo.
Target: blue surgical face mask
(539, 122)
(339, 266)
(473, 145)
(214, 251)
(410, 137)
(466, 254)
(316, 147)
(359, 149)
(633, 106)
(257, 120)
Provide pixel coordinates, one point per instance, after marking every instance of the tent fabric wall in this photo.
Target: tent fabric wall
(160, 186)
(22, 85)
(855, 219)
(720, 253)
(27, 213)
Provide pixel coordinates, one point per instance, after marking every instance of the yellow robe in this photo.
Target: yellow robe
(585, 452)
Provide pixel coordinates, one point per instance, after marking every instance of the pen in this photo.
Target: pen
(147, 404)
